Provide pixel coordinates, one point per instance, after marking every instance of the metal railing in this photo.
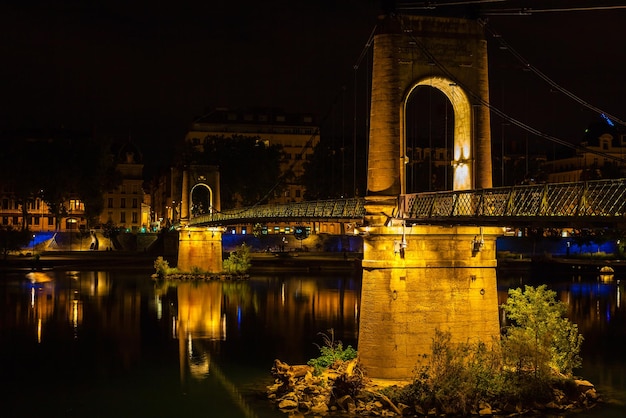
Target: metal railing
(321, 210)
(590, 203)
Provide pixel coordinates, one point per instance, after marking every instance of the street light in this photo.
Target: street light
(33, 245)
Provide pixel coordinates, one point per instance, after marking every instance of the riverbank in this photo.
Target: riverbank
(262, 262)
(547, 264)
(73, 260)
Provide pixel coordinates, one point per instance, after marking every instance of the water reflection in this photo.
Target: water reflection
(289, 310)
(95, 342)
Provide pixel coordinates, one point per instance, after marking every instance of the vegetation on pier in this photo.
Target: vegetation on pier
(529, 368)
(235, 266)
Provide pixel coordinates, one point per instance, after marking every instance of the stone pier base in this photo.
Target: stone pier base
(416, 282)
(200, 248)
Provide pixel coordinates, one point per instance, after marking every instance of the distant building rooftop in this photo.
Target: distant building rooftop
(257, 117)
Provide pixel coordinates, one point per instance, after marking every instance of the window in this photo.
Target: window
(75, 204)
(122, 217)
(110, 202)
(123, 202)
(5, 220)
(135, 218)
(50, 220)
(5, 203)
(35, 220)
(135, 202)
(297, 192)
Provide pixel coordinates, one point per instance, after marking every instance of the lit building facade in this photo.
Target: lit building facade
(296, 133)
(588, 165)
(126, 207)
(39, 218)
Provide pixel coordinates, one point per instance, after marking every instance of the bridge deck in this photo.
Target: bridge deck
(581, 204)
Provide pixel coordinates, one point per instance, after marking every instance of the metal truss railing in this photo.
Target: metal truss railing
(340, 209)
(601, 201)
(590, 203)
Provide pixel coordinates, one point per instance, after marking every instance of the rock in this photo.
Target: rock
(591, 394)
(287, 404)
(484, 409)
(319, 408)
(583, 385)
(553, 405)
(347, 403)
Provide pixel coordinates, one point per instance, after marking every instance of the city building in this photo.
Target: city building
(20, 186)
(296, 133)
(605, 159)
(127, 207)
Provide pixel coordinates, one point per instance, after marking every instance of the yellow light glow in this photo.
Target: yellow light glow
(462, 130)
(462, 177)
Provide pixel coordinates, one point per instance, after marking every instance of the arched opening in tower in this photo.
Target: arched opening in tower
(201, 201)
(441, 121)
(429, 141)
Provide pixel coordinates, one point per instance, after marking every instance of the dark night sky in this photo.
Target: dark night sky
(148, 68)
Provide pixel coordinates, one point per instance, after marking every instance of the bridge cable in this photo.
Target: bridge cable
(309, 143)
(498, 112)
(536, 71)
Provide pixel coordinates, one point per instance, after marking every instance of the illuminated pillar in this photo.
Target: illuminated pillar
(436, 281)
(200, 248)
(184, 201)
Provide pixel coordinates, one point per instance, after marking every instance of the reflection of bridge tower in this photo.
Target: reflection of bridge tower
(420, 278)
(199, 247)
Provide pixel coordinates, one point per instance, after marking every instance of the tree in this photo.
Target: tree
(540, 339)
(249, 167)
(13, 239)
(238, 262)
(319, 174)
(56, 167)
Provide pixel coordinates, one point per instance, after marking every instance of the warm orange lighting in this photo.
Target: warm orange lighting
(462, 176)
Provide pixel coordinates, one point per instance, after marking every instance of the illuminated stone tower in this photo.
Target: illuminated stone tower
(417, 279)
(199, 247)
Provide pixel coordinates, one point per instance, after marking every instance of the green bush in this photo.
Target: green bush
(535, 356)
(163, 268)
(539, 338)
(330, 353)
(238, 261)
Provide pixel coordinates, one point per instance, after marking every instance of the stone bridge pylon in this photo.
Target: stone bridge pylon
(417, 279)
(199, 247)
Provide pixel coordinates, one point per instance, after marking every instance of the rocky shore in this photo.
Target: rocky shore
(344, 389)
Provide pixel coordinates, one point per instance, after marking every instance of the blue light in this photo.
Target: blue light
(607, 120)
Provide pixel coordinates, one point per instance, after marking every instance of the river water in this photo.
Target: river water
(115, 343)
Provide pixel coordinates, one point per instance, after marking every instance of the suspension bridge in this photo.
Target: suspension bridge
(428, 258)
(586, 204)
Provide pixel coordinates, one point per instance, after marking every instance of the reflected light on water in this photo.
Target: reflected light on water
(159, 306)
(76, 316)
